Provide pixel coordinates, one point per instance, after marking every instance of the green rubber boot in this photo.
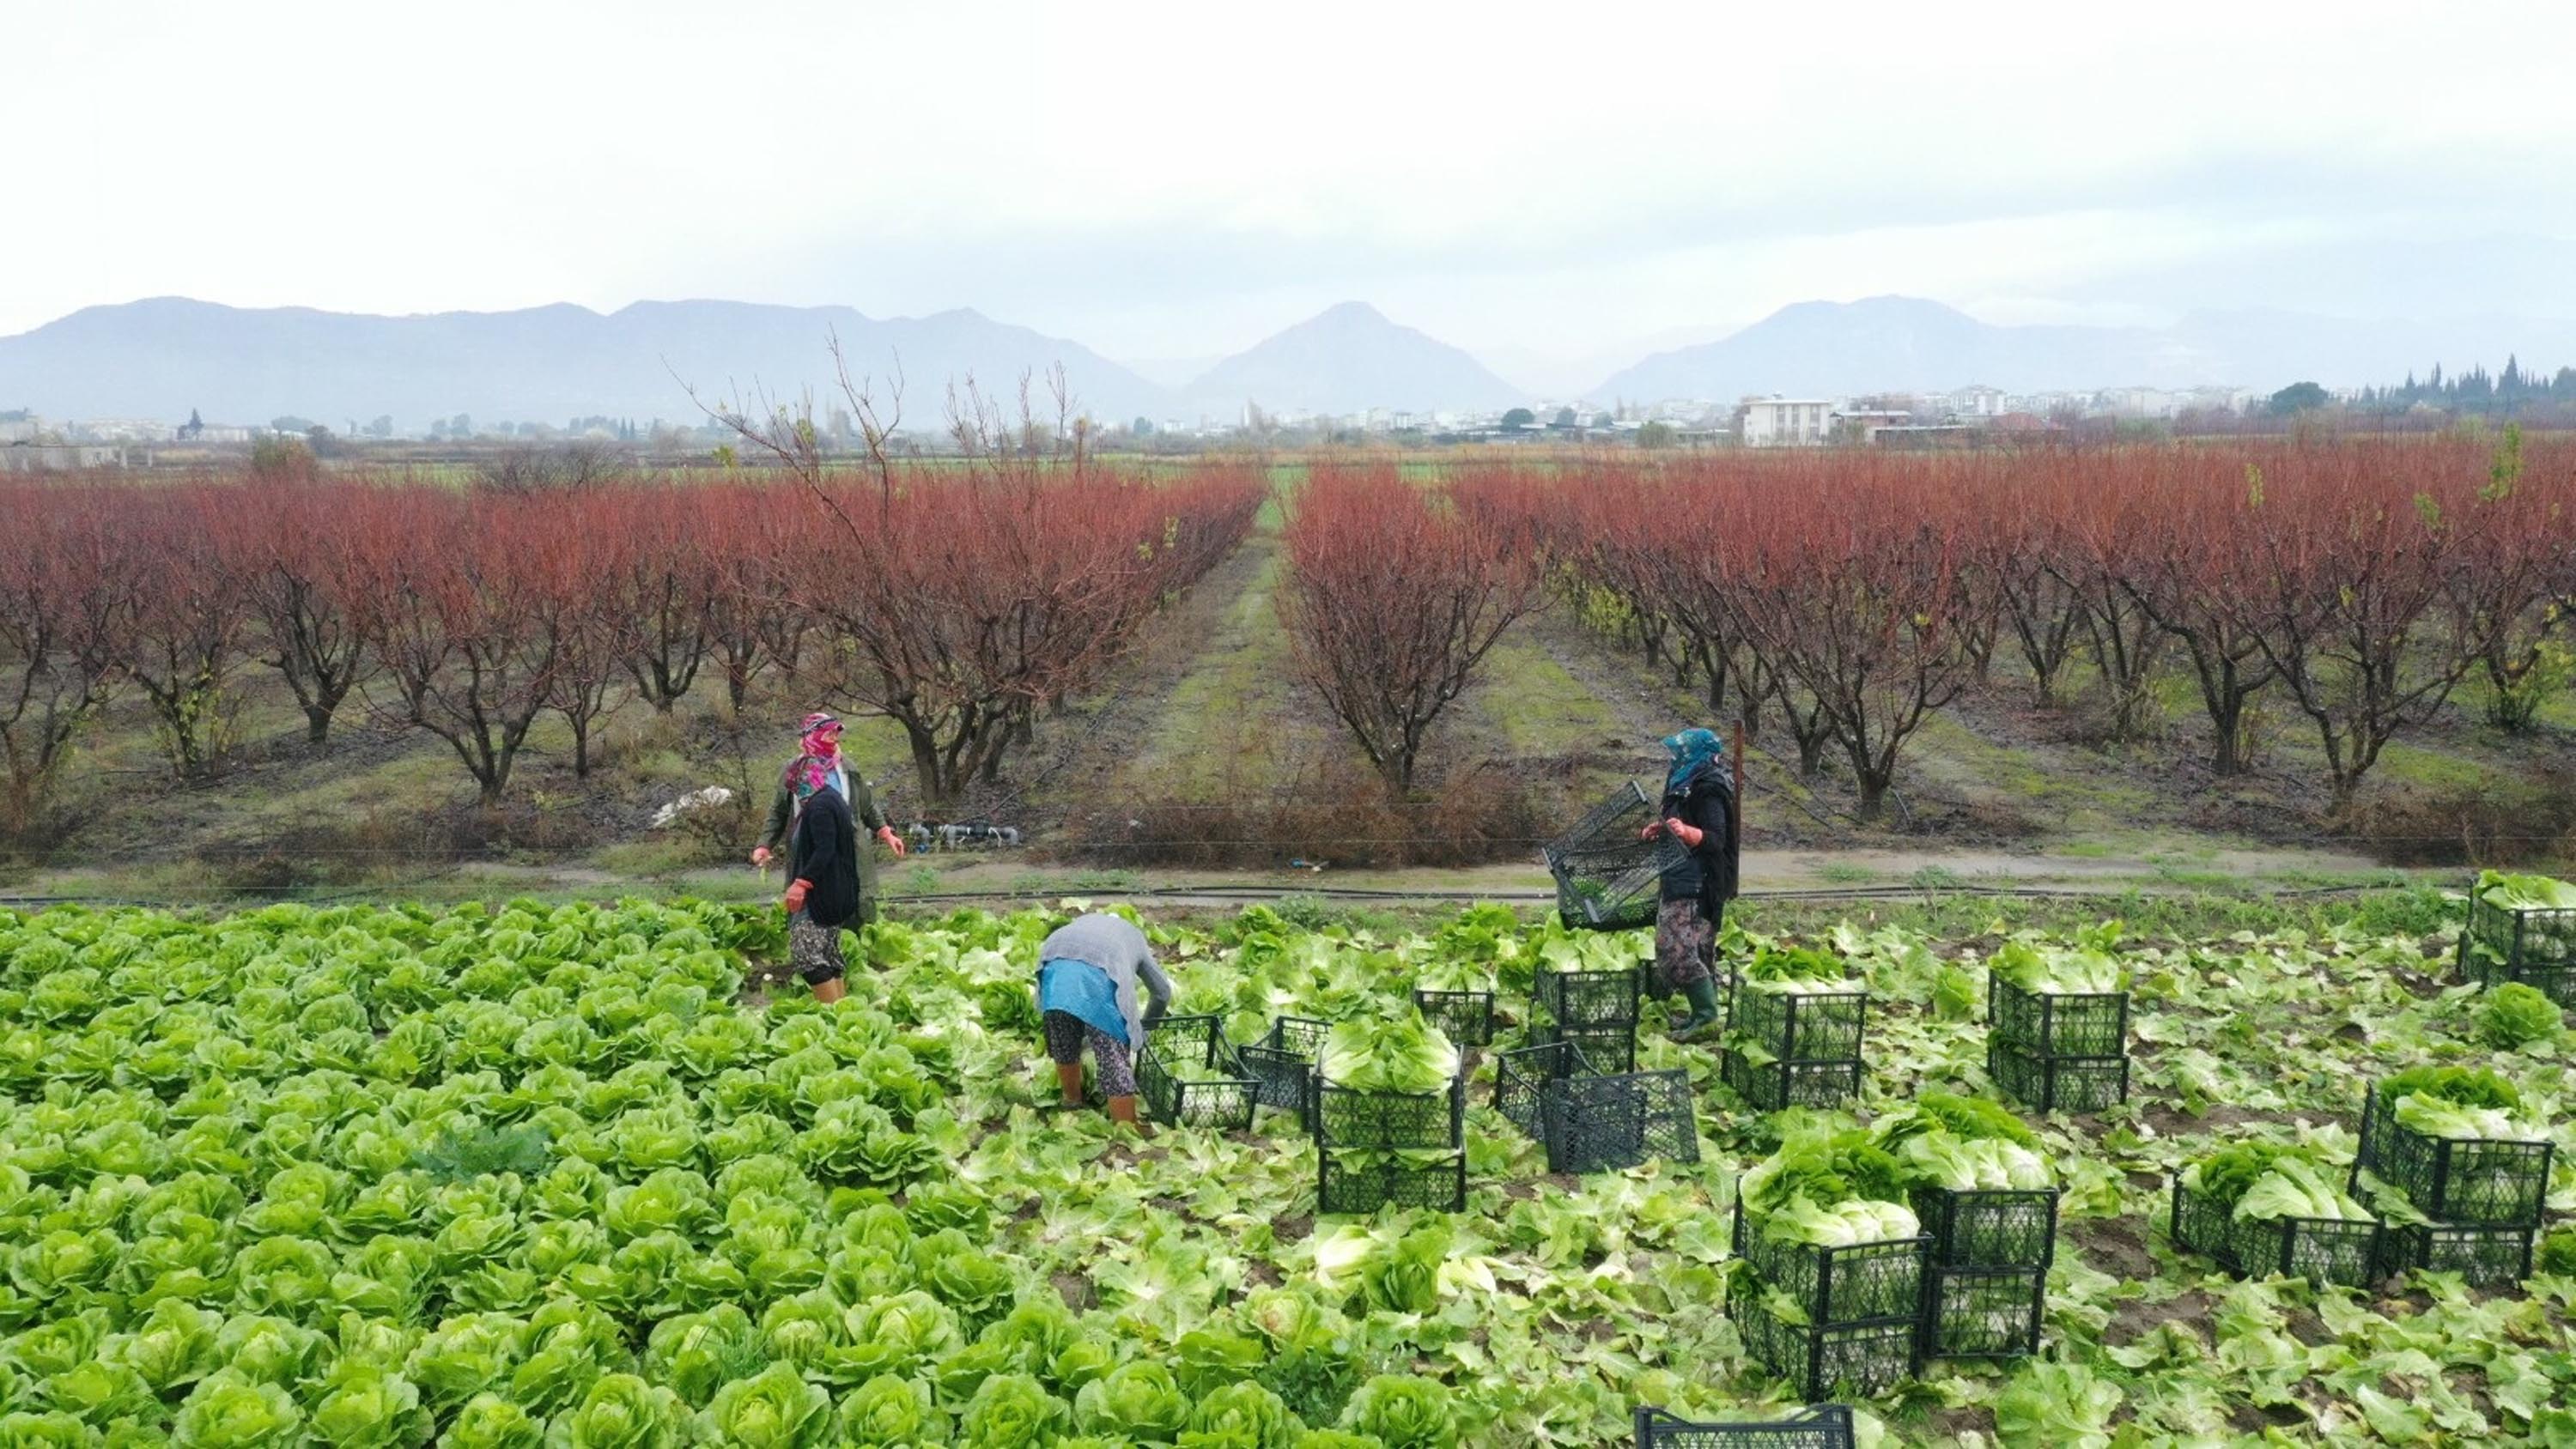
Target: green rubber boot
(1702, 995)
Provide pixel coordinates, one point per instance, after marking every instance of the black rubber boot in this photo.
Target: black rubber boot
(1702, 995)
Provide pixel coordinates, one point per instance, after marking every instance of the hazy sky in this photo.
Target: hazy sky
(1178, 180)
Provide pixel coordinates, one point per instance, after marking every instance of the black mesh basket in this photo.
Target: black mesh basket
(1588, 1000)
(1813, 1026)
(2461, 1180)
(1989, 1228)
(1604, 1048)
(2323, 1250)
(1607, 879)
(2058, 1084)
(1605, 1124)
(2536, 947)
(2483, 1257)
(1855, 1360)
(2048, 1024)
(1349, 1117)
(1465, 1017)
(1771, 1086)
(1283, 1062)
(1827, 1426)
(1189, 1077)
(1521, 1078)
(1363, 1182)
(1983, 1312)
(1855, 1283)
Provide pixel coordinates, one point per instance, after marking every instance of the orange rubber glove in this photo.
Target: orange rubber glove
(1653, 829)
(796, 890)
(1689, 835)
(892, 841)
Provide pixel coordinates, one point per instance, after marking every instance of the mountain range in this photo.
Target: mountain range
(165, 357)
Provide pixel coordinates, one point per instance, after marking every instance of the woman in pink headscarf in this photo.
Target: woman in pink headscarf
(814, 948)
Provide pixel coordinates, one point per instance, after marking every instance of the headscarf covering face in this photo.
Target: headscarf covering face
(811, 771)
(1692, 752)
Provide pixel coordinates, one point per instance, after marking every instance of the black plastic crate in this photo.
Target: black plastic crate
(2467, 1181)
(1856, 1283)
(1989, 1228)
(1857, 1360)
(1794, 1026)
(2057, 1084)
(1588, 1000)
(1775, 1085)
(1349, 1117)
(2051, 1024)
(1983, 1312)
(1605, 1124)
(1465, 1017)
(1362, 1183)
(2483, 1257)
(1607, 879)
(1604, 1048)
(1522, 1076)
(1221, 1097)
(1826, 1426)
(2323, 1250)
(2536, 947)
(1282, 1063)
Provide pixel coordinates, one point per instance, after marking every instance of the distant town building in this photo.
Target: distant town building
(1977, 402)
(58, 457)
(1777, 422)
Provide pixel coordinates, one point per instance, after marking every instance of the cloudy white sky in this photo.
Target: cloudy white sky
(1178, 180)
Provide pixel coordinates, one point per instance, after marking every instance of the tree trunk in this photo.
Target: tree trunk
(317, 725)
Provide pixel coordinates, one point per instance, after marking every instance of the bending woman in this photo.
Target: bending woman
(1087, 976)
(1699, 811)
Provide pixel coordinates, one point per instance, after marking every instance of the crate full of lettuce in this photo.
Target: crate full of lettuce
(1389, 1116)
(1828, 1290)
(2461, 1145)
(1983, 1189)
(1794, 1026)
(2262, 1208)
(2058, 1022)
(2521, 928)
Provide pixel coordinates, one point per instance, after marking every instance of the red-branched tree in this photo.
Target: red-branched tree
(290, 546)
(63, 600)
(187, 616)
(1392, 599)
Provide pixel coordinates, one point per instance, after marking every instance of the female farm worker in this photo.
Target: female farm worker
(1699, 812)
(820, 770)
(1087, 976)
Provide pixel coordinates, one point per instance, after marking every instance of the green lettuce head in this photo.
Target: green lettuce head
(1241, 1416)
(622, 1411)
(1403, 1413)
(1009, 1411)
(1139, 1400)
(2514, 1015)
(891, 1413)
(489, 1421)
(234, 1412)
(773, 1409)
(364, 1407)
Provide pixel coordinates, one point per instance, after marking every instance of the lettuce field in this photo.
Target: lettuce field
(524, 1174)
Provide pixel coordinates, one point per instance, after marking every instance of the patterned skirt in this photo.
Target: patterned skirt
(1066, 1036)
(814, 951)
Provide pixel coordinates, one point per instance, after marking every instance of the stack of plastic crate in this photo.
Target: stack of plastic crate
(1987, 1281)
(1855, 1324)
(2533, 945)
(1465, 1017)
(2343, 1251)
(2058, 1052)
(1189, 1077)
(1591, 1121)
(1373, 1148)
(2484, 1197)
(1607, 877)
(1592, 1011)
(1282, 1064)
(1812, 1040)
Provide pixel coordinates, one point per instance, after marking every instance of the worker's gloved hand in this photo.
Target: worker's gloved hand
(1689, 835)
(1653, 829)
(760, 857)
(1153, 1017)
(892, 841)
(795, 898)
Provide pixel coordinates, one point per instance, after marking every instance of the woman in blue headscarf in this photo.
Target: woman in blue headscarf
(1699, 812)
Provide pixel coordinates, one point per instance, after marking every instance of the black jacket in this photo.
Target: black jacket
(826, 856)
(1706, 875)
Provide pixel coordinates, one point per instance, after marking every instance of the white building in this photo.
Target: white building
(65, 457)
(1776, 422)
(1978, 402)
